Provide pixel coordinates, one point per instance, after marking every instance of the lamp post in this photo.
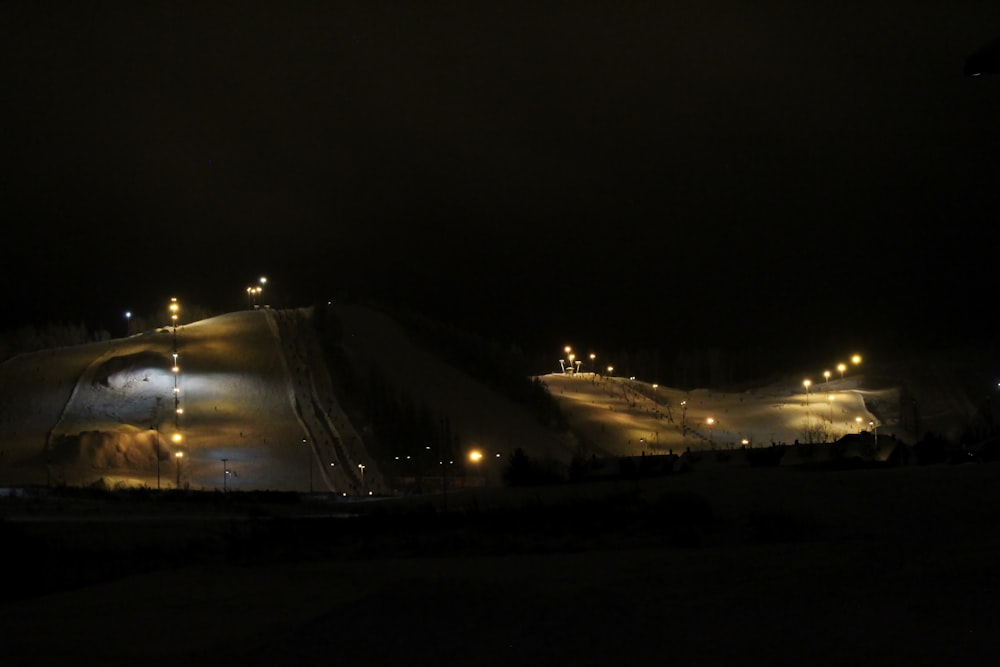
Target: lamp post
(476, 458)
(361, 467)
(128, 322)
(177, 457)
(174, 309)
(826, 374)
(711, 431)
(225, 474)
(841, 368)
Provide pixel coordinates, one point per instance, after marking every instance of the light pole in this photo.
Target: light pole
(841, 368)
(225, 474)
(361, 467)
(128, 322)
(826, 374)
(174, 308)
(476, 458)
(711, 431)
(177, 457)
(808, 383)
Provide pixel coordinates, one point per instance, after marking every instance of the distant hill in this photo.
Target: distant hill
(348, 399)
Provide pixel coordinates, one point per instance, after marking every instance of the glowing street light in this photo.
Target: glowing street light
(174, 309)
(128, 322)
(177, 457)
(807, 384)
(361, 467)
(610, 369)
(856, 359)
(476, 458)
(858, 421)
(841, 368)
(260, 287)
(826, 374)
(711, 430)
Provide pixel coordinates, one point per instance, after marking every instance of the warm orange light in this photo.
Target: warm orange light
(176, 437)
(475, 456)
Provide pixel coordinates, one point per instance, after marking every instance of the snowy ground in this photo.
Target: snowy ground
(626, 417)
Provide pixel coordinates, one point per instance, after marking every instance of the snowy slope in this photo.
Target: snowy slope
(259, 409)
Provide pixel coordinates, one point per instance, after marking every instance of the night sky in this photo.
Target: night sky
(606, 173)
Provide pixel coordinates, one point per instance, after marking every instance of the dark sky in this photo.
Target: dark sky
(612, 172)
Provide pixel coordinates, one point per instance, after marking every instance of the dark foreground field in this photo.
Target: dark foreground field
(734, 566)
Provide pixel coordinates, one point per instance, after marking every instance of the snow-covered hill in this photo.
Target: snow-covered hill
(257, 407)
(259, 410)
